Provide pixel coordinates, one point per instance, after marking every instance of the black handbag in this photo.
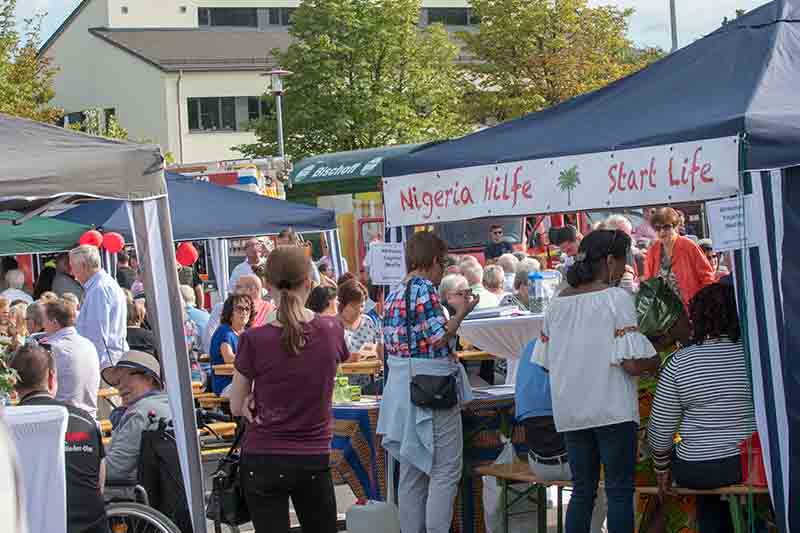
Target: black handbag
(431, 392)
(227, 504)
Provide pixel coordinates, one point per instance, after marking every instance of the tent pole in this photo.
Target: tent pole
(152, 230)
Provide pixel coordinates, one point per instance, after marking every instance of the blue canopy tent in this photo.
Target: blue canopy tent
(739, 85)
(202, 210)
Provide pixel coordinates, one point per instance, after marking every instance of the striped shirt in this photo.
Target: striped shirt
(704, 395)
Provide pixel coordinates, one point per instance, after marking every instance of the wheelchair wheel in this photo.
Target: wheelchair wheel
(130, 517)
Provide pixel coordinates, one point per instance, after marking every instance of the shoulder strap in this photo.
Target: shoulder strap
(408, 316)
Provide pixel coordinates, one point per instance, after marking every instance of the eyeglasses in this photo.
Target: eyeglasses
(242, 308)
(462, 293)
(663, 227)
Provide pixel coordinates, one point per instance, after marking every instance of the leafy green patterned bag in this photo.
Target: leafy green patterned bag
(657, 307)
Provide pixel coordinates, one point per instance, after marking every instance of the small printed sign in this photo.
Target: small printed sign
(387, 263)
(731, 223)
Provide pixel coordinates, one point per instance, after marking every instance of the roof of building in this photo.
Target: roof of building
(199, 49)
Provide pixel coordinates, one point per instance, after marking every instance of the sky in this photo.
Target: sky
(649, 26)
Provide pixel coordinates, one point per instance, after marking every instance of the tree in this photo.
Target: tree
(26, 79)
(533, 54)
(365, 75)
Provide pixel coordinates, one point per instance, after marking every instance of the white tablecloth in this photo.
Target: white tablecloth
(503, 337)
(38, 435)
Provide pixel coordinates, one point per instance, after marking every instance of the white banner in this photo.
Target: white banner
(387, 263)
(684, 172)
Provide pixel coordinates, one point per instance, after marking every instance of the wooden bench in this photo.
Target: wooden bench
(369, 367)
(506, 474)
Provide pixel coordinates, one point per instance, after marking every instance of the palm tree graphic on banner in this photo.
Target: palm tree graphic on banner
(568, 180)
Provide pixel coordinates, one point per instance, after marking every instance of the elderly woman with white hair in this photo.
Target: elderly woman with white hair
(494, 281)
(452, 293)
(519, 296)
(15, 279)
(630, 279)
(509, 264)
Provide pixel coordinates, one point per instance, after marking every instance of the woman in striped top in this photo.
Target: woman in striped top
(704, 395)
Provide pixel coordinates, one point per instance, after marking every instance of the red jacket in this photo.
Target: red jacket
(689, 263)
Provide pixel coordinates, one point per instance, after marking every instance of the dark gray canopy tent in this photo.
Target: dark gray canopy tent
(41, 166)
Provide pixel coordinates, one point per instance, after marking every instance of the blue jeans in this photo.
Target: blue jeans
(615, 447)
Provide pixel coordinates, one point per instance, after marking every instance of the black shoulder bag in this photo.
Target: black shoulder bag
(431, 392)
(227, 504)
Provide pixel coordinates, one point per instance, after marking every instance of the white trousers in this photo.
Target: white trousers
(426, 502)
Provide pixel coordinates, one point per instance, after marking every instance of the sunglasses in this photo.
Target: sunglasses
(497, 232)
(660, 227)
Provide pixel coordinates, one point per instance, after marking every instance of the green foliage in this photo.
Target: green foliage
(533, 54)
(365, 75)
(26, 80)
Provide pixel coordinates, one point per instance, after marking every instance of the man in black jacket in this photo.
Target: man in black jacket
(83, 445)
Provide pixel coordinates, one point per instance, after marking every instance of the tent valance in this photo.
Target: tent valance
(42, 161)
(37, 234)
(350, 172)
(202, 210)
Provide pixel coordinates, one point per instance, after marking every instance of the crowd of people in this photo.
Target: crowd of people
(287, 325)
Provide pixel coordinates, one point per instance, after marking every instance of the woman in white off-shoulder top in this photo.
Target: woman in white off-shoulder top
(591, 346)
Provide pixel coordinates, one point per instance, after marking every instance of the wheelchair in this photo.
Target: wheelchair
(149, 504)
(135, 515)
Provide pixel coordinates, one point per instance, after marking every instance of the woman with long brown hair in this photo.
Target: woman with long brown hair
(283, 384)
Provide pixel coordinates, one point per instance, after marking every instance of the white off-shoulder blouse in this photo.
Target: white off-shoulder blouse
(585, 338)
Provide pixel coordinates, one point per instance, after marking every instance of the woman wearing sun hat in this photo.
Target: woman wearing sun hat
(137, 377)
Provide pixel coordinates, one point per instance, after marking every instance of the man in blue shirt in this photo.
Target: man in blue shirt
(198, 316)
(103, 317)
(547, 455)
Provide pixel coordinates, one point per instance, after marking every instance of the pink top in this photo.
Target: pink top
(293, 393)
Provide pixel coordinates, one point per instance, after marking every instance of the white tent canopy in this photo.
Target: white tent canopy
(41, 165)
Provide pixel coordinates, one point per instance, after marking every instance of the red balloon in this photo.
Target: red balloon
(92, 238)
(186, 254)
(113, 242)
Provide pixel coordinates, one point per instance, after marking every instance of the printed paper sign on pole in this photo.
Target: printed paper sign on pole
(684, 172)
(387, 263)
(732, 223)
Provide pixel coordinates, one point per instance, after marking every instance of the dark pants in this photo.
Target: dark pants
(615, 448)
(713, 514)
(268, 482)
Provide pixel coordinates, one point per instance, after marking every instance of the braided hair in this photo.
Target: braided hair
(714, 315)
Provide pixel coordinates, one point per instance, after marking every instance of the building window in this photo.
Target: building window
(281, 16)
(212, 114)
(228, 16)
(258, 108)
(74, 118)
(451, 16)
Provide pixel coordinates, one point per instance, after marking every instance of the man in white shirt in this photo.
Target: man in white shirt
(254, 251)
(15, 280)
(77, 363)
(104, 314)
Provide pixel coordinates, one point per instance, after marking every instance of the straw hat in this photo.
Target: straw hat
(134, 360)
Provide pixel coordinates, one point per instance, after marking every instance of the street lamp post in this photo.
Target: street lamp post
(673, 25)
(276, 89)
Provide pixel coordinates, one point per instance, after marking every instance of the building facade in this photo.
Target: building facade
(186, 74)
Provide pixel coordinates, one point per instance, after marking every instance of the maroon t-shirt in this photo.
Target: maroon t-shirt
(293, 393)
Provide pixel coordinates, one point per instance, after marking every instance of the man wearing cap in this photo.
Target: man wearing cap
(137, 377)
